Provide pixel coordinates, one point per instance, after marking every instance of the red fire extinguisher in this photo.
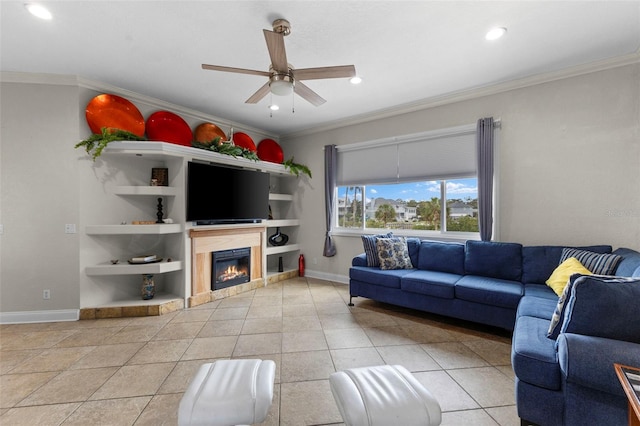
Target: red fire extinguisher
(301, 265)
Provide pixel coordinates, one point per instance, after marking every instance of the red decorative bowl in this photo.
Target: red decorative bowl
(270, 150)
(244, 140)
(165, 126)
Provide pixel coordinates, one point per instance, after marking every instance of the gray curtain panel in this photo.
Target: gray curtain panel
(484, 138)
(330, 167)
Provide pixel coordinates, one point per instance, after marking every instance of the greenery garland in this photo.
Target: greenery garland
(95, 143)
(226, 148)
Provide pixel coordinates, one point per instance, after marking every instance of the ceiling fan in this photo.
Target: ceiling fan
(283, 78)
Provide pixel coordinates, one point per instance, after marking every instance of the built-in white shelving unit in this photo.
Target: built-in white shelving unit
(171, 238)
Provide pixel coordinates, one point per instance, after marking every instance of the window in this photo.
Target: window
(415, 206)
(422, 182)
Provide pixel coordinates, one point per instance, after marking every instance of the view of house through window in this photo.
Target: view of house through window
(411, 206)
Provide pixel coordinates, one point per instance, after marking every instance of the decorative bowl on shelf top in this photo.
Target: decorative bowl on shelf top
(166, 126)
(270, 150)
(207, 132)
(114, 112)
(244, 140)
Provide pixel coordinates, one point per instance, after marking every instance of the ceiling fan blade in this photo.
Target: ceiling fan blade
(275, 44)
(341, 71)
(308, 94)
(232, 69)
(261, 93)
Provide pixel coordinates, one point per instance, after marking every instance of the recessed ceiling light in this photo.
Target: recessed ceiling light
(495, 33)
(39, 11)
(355, 80)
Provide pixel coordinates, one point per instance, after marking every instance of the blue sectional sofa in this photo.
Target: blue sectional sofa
(563, 380)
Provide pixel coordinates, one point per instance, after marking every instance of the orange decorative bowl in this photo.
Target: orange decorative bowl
(114, 112)
(207, 132)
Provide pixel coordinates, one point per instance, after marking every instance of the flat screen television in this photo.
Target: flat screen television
(219, 194)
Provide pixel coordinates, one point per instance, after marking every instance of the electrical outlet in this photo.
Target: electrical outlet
(1, 229)
(315, 260)
(70, 228)
(46, 294)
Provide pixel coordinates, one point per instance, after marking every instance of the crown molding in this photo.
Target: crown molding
(478, 92)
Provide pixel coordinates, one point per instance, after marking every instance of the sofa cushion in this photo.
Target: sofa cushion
(492, 259)
(431, 283)
(370, 248)
(604, 307)
(603, 264)
(376, 276)
(489, 291)
(630, 264)
(540, 290)
(413, 245)
(441, 256)
(533, 356)
(538, 262)
(561, 306)
(393, 253)
(560, 276)
(537, 307)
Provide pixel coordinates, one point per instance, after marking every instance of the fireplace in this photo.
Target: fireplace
(230, 267)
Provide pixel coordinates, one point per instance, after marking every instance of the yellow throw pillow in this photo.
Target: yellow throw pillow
(558, 279)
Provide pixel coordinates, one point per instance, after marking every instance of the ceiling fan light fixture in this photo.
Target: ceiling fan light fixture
(38, 11)
(274, 107)
(495, 33)
(281, 87)
(355, 80)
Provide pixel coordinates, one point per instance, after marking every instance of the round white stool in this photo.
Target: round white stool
(383, 395)
(228, 393)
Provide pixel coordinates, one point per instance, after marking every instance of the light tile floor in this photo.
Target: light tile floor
(133, 371)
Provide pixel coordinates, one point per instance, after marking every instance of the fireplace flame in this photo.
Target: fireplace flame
(231, 273)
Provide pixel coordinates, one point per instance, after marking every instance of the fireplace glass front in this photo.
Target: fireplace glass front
(230, 267)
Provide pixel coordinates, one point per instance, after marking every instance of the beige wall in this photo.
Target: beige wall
(568, 160)
(39, 193)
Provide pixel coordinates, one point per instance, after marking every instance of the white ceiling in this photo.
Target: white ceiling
(406, 52)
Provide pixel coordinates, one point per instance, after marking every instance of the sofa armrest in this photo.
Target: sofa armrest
(588, 361)
(359, 260)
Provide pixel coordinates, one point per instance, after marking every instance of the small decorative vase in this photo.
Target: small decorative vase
(148, 287)
(278, 239)
(280, 266)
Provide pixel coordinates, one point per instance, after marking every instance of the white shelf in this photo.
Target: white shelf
(282, 223)
(160, 150)
(155, 229)
(280, 197)
(167, 191)
(282, 249)
(158, 299)
(124, 268)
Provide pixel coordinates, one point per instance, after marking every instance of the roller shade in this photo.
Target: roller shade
(443, 154)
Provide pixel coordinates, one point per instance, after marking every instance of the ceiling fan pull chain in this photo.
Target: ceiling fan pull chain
(293, 103)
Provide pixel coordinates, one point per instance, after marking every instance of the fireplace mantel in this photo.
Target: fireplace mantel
(208, 239)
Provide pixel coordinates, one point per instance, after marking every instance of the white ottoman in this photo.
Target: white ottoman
(228, 392)
(383, 395)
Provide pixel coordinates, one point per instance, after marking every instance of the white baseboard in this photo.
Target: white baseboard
(39, 316)
(342, 279)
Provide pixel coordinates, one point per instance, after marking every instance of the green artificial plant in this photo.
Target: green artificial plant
(95, 143)
(296, 168)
